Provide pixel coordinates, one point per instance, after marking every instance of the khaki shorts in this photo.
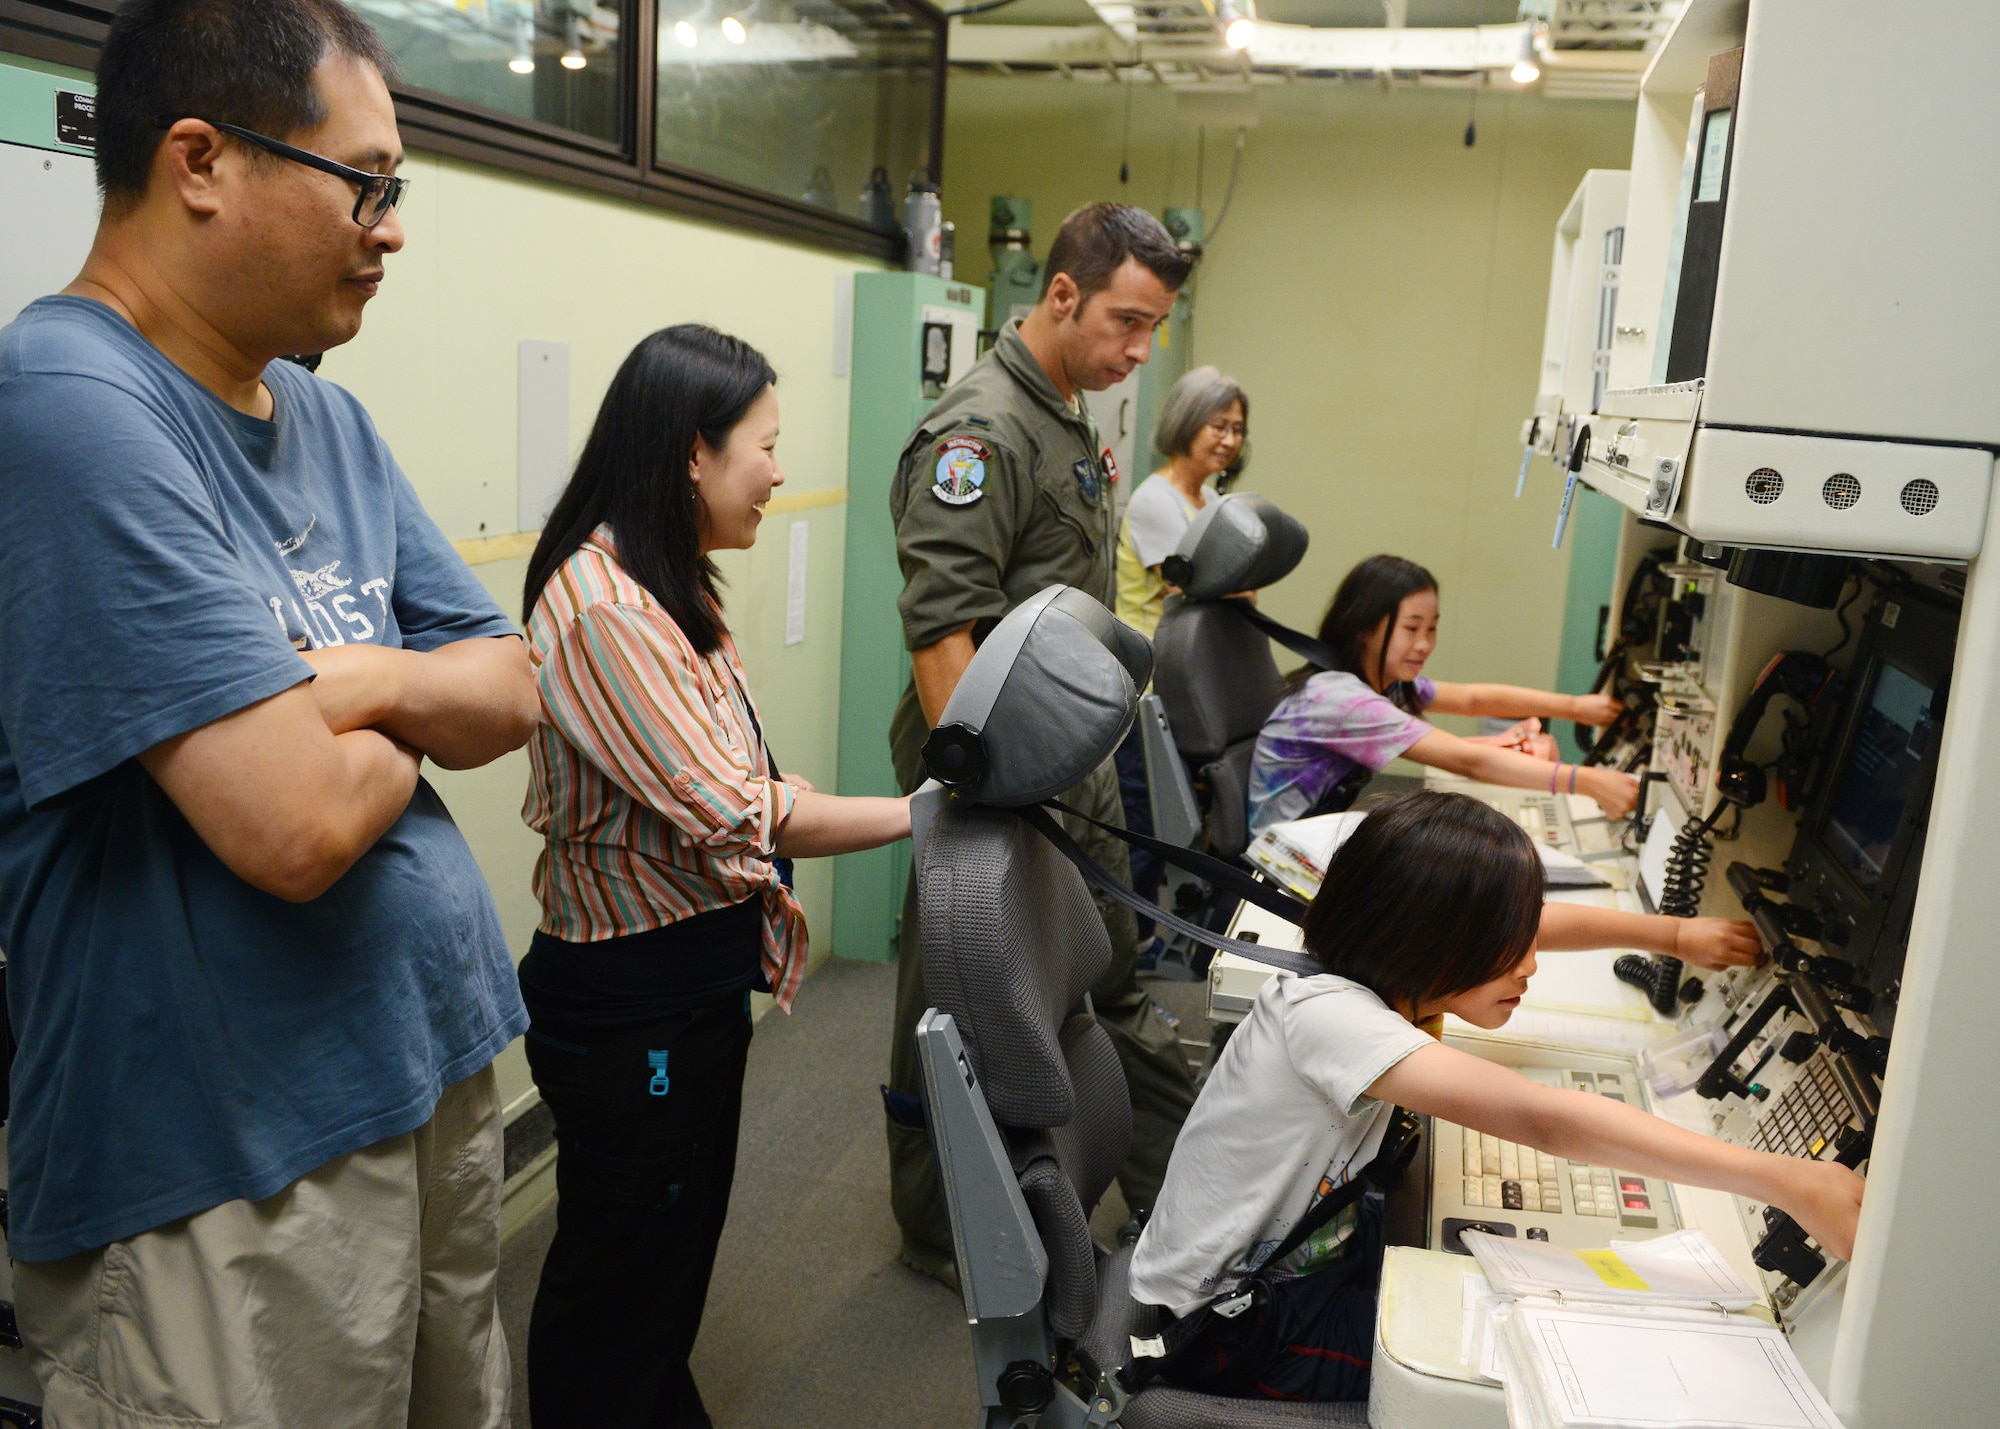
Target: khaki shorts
(359, 1297)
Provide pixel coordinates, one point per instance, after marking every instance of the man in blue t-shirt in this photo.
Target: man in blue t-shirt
(256, 977)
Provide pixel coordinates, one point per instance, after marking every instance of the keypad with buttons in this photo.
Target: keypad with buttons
(1535, 1191)
(1808, 1116)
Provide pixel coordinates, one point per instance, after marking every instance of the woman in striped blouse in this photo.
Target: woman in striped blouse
(663, 904)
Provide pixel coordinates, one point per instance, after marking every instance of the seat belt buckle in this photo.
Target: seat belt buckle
(1232, 1307)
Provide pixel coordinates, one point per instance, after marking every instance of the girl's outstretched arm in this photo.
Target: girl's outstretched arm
(1515, 701)
(1705, 942)
(1616, 792)
(1822, 1196)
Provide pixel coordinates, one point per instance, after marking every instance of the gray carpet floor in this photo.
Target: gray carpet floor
(810, 1320)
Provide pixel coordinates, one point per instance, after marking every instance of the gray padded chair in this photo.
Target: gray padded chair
(1026, 1100)
(1214, 675)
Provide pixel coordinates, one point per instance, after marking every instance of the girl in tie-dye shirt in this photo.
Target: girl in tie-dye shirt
(1335, 728)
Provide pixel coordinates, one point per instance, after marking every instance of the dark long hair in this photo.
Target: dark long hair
(680, 383)
(1432, 895)
(1371, 593)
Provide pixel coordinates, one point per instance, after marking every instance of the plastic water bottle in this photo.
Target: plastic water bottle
(923, 219)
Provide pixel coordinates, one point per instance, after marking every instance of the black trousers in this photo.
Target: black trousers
(1314, 1341)
(646, 1120)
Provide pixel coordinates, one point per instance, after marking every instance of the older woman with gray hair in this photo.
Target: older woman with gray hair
(1202, 431)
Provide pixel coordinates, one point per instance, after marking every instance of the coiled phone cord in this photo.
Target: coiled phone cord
(1687, 865)
(1688, 862)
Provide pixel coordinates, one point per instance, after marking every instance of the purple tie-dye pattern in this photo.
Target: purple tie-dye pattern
(1318, 733)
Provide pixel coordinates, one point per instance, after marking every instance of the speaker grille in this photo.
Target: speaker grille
(1841, 491)
(1920, 497)
(1763, 486)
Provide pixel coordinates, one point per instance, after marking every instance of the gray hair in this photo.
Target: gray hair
(1194, 401)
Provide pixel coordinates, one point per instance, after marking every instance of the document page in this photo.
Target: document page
(1600, 1370)
(1684, 1268)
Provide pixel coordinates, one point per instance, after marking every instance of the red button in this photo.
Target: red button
(1638, 1203)
(1632, 1183)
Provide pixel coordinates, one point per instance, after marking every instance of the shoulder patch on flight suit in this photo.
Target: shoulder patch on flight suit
(961, 471)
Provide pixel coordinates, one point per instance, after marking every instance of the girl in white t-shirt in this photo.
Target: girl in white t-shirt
(1431, 906)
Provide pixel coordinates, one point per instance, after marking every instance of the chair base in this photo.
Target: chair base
(1181, 1409)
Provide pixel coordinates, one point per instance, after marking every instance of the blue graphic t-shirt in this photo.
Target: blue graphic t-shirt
(184, 1039)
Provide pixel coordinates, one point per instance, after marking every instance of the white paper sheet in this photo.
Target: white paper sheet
(1599, 1034)
(1476, 1327)
(1601, 1370)
(1683, 1268)
(795, 583)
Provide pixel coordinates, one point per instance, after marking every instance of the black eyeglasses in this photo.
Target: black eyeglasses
(379, 192)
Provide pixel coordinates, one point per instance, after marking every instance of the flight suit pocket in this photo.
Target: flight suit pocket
(1067, 490)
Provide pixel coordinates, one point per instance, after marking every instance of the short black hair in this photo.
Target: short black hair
(680, 383)
(243, 62)
(1094, 242)
(1432, 895)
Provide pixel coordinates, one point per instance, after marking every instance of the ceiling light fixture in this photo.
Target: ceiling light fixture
(734, 30)
(524, 46)
(685, 32)
(572, 55)
(1528, 68)
(1239, 22)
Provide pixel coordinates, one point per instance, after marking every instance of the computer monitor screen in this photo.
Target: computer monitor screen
(1884, 765)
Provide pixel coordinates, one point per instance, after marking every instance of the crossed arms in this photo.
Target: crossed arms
(290, 791)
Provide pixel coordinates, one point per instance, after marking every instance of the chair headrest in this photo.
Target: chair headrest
(1046, 700)
(1240, 542)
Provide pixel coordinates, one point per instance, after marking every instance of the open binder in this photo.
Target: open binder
(1639, 1335)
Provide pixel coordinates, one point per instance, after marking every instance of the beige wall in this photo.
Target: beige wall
(493, 259)
(1378, 288)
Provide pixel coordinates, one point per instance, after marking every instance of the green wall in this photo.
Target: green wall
(1378, 288)
(1594, 523)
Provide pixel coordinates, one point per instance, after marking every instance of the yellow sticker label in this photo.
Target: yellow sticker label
(1612, 1269)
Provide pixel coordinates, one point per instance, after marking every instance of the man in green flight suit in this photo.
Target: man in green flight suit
(1004, 490)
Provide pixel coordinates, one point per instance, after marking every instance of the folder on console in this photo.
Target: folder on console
(1638, 1335)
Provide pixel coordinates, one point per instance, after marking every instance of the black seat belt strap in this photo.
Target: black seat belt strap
(1296, 641)
(1039, 819)
(1268, 896)
(1398, 1144)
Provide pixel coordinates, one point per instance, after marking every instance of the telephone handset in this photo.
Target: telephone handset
(1623, 743)
(1802, 677)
